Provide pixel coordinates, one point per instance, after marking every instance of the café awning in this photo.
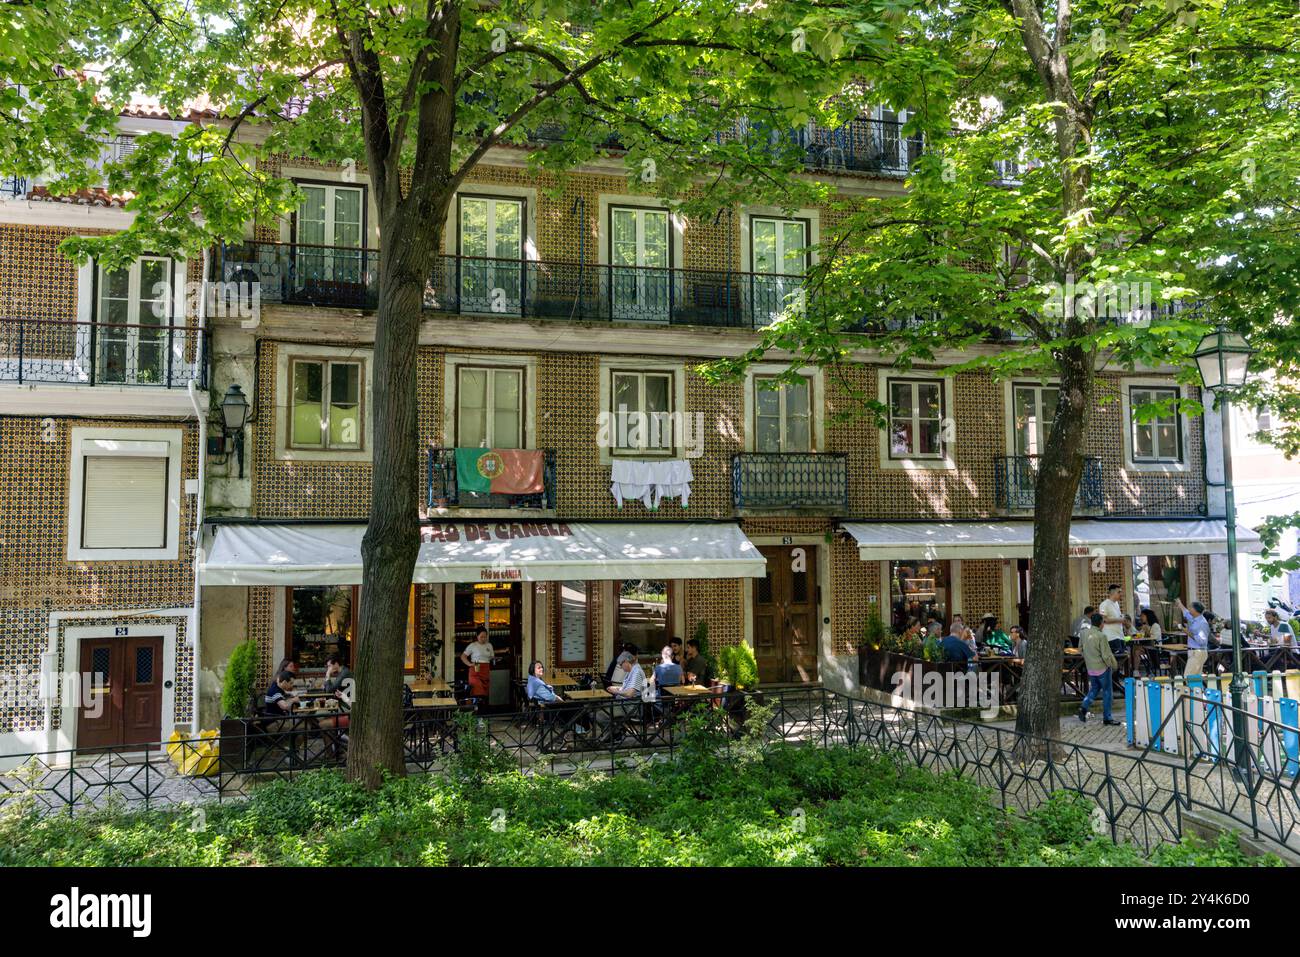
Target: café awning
(272, 554)
(885, 541)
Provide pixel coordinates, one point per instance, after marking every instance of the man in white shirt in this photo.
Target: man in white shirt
(633, 678)
(1113, 617)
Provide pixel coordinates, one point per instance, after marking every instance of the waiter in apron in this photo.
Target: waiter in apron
(478, 656)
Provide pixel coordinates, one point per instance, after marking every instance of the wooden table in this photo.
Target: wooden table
(686, 691)
(437, 684)
(595, 694)
(559, 681)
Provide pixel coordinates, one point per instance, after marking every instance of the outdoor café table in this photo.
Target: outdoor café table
(595, 694)
(425, 686)
(1143, 656)
(560, 681)
(1074, 673)
(686, 691)
(1009, 670)
(1177, 652)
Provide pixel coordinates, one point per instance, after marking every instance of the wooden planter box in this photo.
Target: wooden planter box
(234, 745)
(876, 669)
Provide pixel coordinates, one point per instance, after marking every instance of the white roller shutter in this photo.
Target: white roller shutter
(124, 502)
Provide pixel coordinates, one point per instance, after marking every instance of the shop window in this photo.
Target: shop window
(917, 588)
(643, 614)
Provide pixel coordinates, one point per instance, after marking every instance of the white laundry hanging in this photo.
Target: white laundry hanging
(650, 481)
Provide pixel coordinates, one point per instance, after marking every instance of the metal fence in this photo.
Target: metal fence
(1141, 797)
(160, 354)
(442, 486)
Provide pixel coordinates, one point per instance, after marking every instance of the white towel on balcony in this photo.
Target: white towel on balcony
(650, 481)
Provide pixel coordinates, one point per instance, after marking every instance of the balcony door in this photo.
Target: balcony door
(786, 616)
(897, 153)
(640, 261)
(328, 230)
(491, 245)
(779, 254)
(132, 315)
(1034, 408)
(781, 416)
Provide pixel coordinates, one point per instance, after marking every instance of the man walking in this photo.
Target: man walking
(1100, 662)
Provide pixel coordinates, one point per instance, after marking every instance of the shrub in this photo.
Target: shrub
(737, 666)
(874, 633)
(241, 674)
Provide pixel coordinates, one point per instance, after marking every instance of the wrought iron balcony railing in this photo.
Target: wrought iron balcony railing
(305, 274)
(12, 187)
(1015, 477)
(443, 490)
(790, 480)
(160, 354)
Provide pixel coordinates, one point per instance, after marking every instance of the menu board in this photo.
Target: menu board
(573, 622)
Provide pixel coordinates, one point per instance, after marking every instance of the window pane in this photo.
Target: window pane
(320, 624)
(345, 404)
(1167, 441)
(929, 432)
(347, 207)
(307, 397)
(796, 398)
(764, 246)
(116, 284)
(656, 394)
(624, 251)
(793, 236)
(768, 401)
(508, 230)
(767, 436)
(643, 615)
(797, 437)
(626, 393)
(1026, 420)
(900, 438)
(900, 399)
(573, 644)
(1143, 446)
(473, 388)
(473, 227)
(505, 390)
(656, 239)
(928, 398)
(505, 428)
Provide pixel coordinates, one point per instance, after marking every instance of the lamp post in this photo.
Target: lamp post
(234, 415)
(1222, 357)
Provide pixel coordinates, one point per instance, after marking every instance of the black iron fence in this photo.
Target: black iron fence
(1142, 797)
(12, 187)
(1015, 478)
(158, 354)
(790, 480)
(304, 274)
(443, 487)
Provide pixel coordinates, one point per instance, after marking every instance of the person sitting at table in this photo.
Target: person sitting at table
(934, 625)
(1084, 623)
(629, 680)
(538, 690)
(1150, 627)
(477, 657)
(338, 682)
(1019, 642)
(955, 647)
(697, 668)
(668, 672)
(289, 665)
(1279, 632)
(993, 637)
(676, 645)
(912, 630)
(963, 631)
(625, 648)
(1198, 637)
(280, 699)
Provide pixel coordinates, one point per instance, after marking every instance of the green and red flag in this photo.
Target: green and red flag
(501, 471)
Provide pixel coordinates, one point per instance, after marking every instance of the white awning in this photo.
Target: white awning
(485, 551)
(885, 541)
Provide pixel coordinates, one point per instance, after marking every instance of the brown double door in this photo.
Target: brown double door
(122, 690)
(785, 614)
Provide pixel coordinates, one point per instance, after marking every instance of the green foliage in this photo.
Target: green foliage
(777, 805)
(702, 637)
(737, 666)
(431, 644)
(874, 632)
(241, 674)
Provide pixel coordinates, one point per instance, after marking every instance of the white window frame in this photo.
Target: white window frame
(753, 388)
(489, 400)
(1130, 427)
(332, 177)
(285, 353)
(944, 460)
(104, 442)
(330, 225)
(677, 394)
(1044, 428)
(817, 405)
(527, 366)
(326, 363)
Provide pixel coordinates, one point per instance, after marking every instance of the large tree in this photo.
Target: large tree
(1150, 141)
(415, 94)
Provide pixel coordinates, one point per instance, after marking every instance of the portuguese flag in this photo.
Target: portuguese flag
(502, 471)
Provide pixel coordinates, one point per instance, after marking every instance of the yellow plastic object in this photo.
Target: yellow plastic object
(194, 757)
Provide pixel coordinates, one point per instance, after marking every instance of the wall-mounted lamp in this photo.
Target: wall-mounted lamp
(234, 416)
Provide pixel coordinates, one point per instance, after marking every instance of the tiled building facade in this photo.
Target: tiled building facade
(566, 368)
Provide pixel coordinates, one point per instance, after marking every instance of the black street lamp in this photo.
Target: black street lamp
(1222, 357)
(234, 415)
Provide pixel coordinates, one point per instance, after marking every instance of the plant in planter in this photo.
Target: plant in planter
(737, 667)
(874, 634)
(431, 642)
(241, 675)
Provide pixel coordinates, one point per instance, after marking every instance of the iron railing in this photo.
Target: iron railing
(12, 187)
(1141, 797)
(443, 489)
(158, 355)
(1015, 478)
(790, 480)
(304, 274)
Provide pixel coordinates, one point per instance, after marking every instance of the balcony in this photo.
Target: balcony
(12, 187)
(796, 480)
(1014, 478)
(527, 289)
(157, 355)
(443, 490)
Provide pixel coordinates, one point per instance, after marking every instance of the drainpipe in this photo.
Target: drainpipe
(198, 504)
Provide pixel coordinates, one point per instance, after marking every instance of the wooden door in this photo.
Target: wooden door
(786, 615)
(125, 686)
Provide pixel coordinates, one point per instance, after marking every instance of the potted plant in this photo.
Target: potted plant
(236, 701)
(431, 643)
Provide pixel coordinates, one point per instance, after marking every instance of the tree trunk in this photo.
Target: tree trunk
(1050, 611)
(406, 254)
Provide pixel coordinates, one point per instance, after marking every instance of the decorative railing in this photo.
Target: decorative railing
(1015, 478)
(304, 274)
(443, 489)
(160, 355)
(12, 187)
(790, 480)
